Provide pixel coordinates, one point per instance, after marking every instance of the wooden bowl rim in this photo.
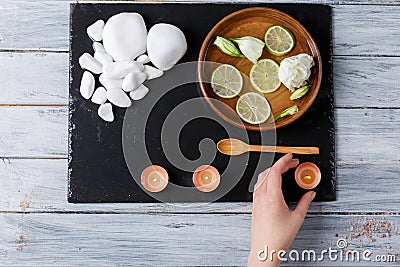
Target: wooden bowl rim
(256, 127)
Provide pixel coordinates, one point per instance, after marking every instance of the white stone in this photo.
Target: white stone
(98, 47)
(143, 59)
(119, 70)
(152, 72)
(118, 97)
(110, 83)
(89, 63)
(166, 45)
(87, 85)
(105, 112)
(133, 80)
(139, 93)
(124, 36)
(99, 96)
(95, 31)
(103, 57)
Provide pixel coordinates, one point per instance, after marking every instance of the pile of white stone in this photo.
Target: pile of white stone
(121, 60)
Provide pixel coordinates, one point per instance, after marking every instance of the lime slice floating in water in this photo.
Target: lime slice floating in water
(264, 76)
(253, 108)
(279, 40)
(226, 81)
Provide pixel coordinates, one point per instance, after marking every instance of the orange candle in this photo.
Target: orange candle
(154, 178)
(206, 178)
(307, 175)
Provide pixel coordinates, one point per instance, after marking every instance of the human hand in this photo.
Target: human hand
(274, 225)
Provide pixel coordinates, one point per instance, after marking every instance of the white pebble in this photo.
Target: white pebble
(124, 36)
(105, 112)
(99, 96)
(103, 57)
(118, 97)
(143, 59)
(98, 47)
(87, 85)
(133, 80)
(119, 70)
(139, 93)
(166, 45)
(152, 72)
(89, 63)
(95, 31)
(110, 83)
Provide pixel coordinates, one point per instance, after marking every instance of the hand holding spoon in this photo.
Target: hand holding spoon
(234, 147)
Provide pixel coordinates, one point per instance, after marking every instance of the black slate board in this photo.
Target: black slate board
(97, 168)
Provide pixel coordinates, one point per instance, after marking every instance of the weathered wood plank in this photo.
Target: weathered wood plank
(34, 25)
(367, 134)
(173, 240)
(34, 78)
(366, 82)
(366, 30)
(42, 78)
(33, 131)
(44, 25)
(40, 185)
(42, 132)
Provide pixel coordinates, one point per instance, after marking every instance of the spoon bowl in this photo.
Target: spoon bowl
(232, 147)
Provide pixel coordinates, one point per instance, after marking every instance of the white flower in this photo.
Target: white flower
(251, 47)
(295, 70)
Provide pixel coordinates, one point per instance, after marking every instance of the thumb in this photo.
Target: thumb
(304, 204)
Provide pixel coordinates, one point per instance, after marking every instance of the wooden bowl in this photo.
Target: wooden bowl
(255, 22)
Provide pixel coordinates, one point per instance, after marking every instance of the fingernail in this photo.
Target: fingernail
(313, 195)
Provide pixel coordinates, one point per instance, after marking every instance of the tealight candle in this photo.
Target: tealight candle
(206, 178)
(307, 175)
(154, 178)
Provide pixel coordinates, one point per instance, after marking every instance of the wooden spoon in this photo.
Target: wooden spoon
(234, 147)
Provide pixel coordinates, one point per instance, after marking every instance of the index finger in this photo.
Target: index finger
(281, 166)
(285, 163)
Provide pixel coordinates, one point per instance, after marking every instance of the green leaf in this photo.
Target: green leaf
(289, 111)
(299, 93)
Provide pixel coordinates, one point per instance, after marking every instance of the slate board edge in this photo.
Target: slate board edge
(72, 7)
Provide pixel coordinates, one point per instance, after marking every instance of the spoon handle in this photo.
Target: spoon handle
(285, 149)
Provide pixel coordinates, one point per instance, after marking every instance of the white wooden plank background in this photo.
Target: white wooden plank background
(49, 28)
(175, 240)
(33, 149)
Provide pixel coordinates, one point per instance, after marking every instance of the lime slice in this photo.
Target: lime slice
(264, 76)
(279, 40)
(253, 108)
(226, 81)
